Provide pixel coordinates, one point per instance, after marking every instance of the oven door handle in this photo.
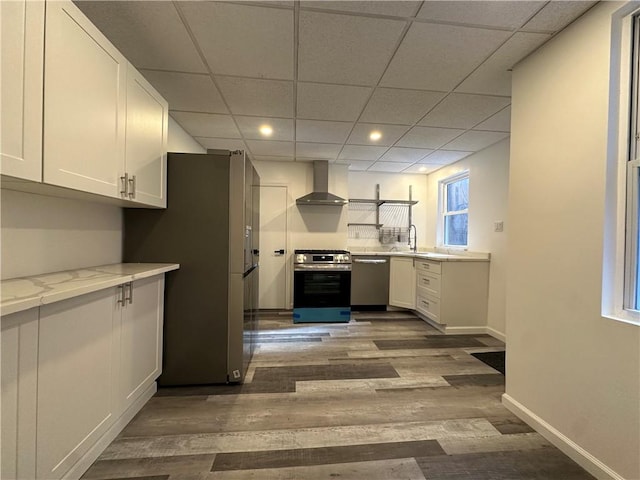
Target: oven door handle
(322, 268)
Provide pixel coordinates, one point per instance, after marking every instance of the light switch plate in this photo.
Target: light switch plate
(498, 226)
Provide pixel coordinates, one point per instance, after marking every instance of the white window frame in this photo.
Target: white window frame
(622, 181)
(443, 213)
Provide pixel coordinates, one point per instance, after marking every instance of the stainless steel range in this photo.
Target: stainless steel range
(321, 286)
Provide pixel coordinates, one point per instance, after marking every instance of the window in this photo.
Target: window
(454, 209)
(621, 253)
(632, 265)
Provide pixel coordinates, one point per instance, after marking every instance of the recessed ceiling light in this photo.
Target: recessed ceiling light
(422, 169)
(266, 130)
(375, 135)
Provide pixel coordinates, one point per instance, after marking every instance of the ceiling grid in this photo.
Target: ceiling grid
(433, 78)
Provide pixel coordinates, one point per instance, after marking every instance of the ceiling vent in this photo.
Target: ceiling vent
(320, 194)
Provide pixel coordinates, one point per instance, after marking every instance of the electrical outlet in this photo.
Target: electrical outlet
(236, 374)
(498, 226)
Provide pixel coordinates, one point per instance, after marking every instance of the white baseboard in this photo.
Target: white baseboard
(464, 330)
(574, 451)
(496, 334)
(103, 442)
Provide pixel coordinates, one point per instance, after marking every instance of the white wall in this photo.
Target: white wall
(45, 234)
(309, 226)
(180, 141)
(575, 371)
(488, 192)
(393, 186)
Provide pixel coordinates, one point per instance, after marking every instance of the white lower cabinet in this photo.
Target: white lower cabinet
(19, 387)
(453, 294)
(77, 379)
(73, 372)
(140, 337)
(402, 282)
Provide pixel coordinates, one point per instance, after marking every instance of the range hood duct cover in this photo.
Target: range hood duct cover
(320, 194)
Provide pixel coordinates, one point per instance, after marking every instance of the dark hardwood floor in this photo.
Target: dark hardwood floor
(383, 397)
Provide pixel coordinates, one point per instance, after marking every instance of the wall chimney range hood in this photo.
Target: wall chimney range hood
(320, 194)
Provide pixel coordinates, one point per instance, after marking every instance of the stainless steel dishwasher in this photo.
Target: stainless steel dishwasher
(369, 282)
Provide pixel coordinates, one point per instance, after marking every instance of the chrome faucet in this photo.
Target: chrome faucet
(415, 238)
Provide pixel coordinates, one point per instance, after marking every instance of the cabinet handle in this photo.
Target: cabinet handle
(132, 182)
(130, 297)
(424, 280)
(125, 185)
(121, 300)
(425, 303)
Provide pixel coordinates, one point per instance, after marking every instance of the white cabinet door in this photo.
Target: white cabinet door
(22, 54)
(84, 104)
(77, 379)
(402, 282)
(19, 387)
(146, 141)
(141, 337)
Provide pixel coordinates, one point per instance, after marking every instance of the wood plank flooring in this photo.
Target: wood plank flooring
(383, 397)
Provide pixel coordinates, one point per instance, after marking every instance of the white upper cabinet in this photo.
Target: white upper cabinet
(105, 126)
(146, 141)
(21, 88)
(84, 104)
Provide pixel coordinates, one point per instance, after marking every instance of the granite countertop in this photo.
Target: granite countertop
(18, 294)
(437, 256)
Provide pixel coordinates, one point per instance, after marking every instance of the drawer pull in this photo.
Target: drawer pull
(427, 281)
(425, 303)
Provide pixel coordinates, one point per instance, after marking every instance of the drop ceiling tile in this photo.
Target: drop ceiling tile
(207, 124)
(460, 110)
(246, 96)
(435, 67)
(500, 122)
(396, 106)
(474, 140)
(221, 143)
(421, 168)
(322, 131)
(272, 148)
(358, 152)
(428, 137)
(557, 15)
(330, 102)
(397, 8)
(271, 158)
(482, 13)
(357, 165)
(250, 127)
(345, 48)
(445, 157)
(403, 154)
(187, 91)
(243, 40)
(133, 27)
(390, 134)
(493, 77)
(392, 167)
(317, 151)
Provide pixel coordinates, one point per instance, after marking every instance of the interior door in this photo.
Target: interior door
(273, 247)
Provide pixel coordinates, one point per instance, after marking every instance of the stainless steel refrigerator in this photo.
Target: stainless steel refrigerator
(210, 227)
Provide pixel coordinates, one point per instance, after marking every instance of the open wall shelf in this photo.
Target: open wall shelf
(376, 203)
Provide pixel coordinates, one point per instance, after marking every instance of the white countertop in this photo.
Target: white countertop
(437, 256)
(18, 294)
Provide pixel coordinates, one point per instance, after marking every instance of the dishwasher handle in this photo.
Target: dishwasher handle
(370, 260)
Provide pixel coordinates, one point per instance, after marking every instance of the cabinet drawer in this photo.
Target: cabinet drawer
(428, 266)
(429, 282)
(429, 306)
